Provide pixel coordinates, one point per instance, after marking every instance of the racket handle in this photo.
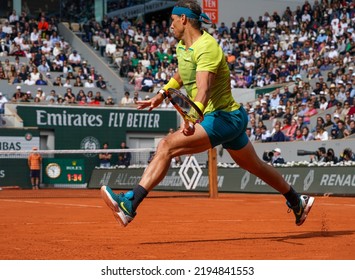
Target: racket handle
(190, 124)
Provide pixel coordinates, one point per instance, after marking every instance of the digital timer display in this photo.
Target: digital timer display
(75, 177)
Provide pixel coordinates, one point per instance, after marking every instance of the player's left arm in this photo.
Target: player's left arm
(204, 82)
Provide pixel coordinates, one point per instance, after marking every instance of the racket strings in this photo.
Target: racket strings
(185, 106)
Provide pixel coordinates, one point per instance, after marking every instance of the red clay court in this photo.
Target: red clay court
(76, 224)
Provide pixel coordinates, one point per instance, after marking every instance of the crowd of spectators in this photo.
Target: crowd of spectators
(307, 54)
(34, 54)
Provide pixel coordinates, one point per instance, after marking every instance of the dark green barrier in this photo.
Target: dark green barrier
(15, 172)
(264, 90)
(319, 180)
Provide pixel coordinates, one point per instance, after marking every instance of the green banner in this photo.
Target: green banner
(14, 172)
(63, 171)
(54, 117)
(264, 90)
(317, 180)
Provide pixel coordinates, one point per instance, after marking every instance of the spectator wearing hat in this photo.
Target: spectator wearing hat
(322, 37)
(280, 113)
(259, 81)
(85, 69)
(334, 128)
(74, 59)
(277, 158)
(109, 101)
(18, 94)
(303, 109)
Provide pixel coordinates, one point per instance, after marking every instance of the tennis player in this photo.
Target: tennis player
(203, 71)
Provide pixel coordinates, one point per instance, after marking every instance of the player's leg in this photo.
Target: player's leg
(173, 145)
(247, 159)
(33, 183)
(124, 205)
(37, 179)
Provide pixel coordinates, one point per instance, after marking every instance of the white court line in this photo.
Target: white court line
(57, 223)
(223, 221)
(338, 204)
(52, 203)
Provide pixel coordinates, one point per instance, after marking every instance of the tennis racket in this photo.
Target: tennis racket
(181, 102)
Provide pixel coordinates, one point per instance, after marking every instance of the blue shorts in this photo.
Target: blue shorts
(227, 128)
(34, 173)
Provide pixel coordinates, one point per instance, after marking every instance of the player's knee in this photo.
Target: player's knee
(164, 149)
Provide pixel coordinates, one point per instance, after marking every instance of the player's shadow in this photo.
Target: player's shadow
(286, 238)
